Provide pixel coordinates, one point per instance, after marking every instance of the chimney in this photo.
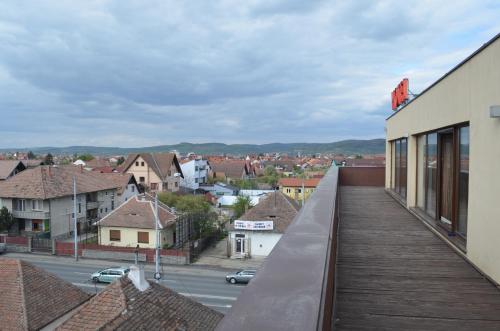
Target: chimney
(50, 171)
(136, 275)
(81, 168)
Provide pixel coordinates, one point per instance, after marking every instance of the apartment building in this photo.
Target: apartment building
(42, 201)
(443, 154)
(156, 172)
(195, 173)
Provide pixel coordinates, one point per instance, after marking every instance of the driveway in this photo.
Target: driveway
(217, 256)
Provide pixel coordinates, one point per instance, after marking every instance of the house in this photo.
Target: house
(230, 170)
(195, 172)
(126, 186)
(132, 303)
(297, 188)
(41, 199)
(9, 168)
(133, 223)
(219, 189)
(155, 171)
(261, 227)
(33, 298)
(442, 152)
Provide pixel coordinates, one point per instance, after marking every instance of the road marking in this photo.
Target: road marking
(81, 273)
(163, 280)
(207, 296)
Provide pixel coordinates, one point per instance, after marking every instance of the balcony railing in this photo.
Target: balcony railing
(92, 204)
(34, 214)
(294, 288)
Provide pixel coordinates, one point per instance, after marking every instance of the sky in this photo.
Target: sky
(142, 73)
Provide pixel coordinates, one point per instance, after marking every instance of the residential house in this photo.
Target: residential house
(9, 168)
(219, 189)
(261, 227)
(230, 170)
(297, 188)
(42, 202)
(132, 303)
(33, 298)
(133, 223)
(195, 172)
(126, 186)
(155, 171)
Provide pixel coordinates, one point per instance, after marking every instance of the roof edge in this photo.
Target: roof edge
(448, 73)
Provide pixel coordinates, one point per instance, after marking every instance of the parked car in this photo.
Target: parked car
(3, 248)
(243, 276)
(109, 275)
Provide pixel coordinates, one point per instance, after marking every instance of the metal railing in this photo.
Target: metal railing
(295, 287)
(33, 214)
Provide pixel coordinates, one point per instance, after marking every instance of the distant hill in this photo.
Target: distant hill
(373, 146)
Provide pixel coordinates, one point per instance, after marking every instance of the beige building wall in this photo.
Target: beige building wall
(151, 177)
(464, 96)
(128, 237)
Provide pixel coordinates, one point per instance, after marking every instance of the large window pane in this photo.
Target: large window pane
(421, 172)
(431, 174)
(393, 165)
(463, 181)
(398, 164)
(403, 167)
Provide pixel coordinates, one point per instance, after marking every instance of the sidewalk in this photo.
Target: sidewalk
(64, 260)
(217, 257)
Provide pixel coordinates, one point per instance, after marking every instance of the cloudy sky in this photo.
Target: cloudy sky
(141, 73)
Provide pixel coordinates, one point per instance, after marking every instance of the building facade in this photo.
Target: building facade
(195, 173)
(156, 172)
(443, 153)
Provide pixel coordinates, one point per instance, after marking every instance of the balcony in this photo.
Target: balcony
(353, 259)
(34, 214)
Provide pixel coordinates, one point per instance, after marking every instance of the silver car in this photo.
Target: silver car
(109, 275)
(243, 276)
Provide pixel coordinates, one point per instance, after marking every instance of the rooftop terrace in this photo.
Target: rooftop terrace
(354, 259)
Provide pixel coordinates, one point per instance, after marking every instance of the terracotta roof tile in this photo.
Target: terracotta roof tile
(297, 182)
(136, 213)
(121, 306)
(32, 298)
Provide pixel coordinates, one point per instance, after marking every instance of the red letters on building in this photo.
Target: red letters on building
(400, 94)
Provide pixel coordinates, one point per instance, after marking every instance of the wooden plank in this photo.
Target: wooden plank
(394, 274)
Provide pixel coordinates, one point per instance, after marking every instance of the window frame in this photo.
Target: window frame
(142, 240)
(114, 237)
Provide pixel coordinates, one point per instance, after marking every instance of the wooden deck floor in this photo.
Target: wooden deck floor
(395, 274)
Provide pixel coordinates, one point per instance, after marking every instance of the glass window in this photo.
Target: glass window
(421, 171)
(431, 175)
(463, 180)
(143, 237)
(402, 190)
(397, 169)
(114, 235)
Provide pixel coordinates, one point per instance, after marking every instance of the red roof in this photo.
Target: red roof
(297, 182)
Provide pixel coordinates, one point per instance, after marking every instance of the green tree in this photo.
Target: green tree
(6, 219)
(192, 204)
(120, 160)
(86, 157)
(245, 184)
(168, 198)
(31, 155)
(242, 204)
(49, 159)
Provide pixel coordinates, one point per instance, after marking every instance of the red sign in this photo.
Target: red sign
(400, 94)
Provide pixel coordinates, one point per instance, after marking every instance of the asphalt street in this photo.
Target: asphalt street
(206, 286)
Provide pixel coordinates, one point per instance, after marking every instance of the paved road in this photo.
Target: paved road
(206, 286)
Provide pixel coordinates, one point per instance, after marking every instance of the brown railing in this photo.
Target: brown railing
(295, 287)
(362, 176)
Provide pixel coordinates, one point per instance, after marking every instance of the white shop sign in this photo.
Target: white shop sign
(253, 225)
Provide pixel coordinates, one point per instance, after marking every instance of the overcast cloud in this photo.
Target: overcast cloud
(140, 73)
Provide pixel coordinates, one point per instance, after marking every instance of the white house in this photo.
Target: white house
(195, 173)
(260, 228)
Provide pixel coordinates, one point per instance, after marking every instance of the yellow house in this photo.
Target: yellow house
(155, 171)
(293, 187)
(133, 223)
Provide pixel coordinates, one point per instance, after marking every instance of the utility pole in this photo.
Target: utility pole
(75, 218)
(157, 253)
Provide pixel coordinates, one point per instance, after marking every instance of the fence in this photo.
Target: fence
(16, 244)
(169, 256)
